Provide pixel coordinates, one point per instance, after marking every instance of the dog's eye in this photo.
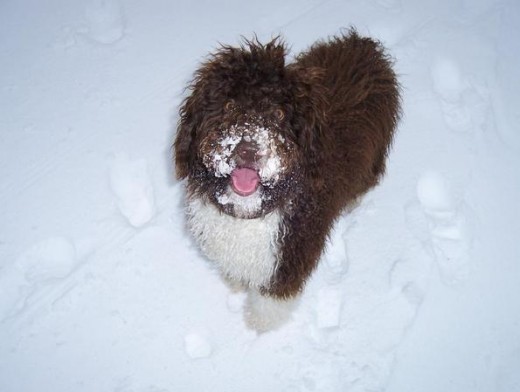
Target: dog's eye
(279, 114)
(229, 106)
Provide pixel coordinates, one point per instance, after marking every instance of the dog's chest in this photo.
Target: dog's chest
(245, 249)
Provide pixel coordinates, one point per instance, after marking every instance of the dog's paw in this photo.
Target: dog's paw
(263, 314)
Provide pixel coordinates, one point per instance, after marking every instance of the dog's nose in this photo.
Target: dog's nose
(247, 152)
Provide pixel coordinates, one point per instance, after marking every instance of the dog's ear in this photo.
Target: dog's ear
(186, 129)
(191, 112)
(225, 69)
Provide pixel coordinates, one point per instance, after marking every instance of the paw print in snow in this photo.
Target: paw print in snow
(463, 104)
(105, 21)
(449, 229)
(40, 266)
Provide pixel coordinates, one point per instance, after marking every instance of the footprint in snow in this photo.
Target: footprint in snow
(463, 105)
(105, 21)
(197, 345)
(448, 227)
(131, 184)
(41, 265)
(336, 258)
(235, 301)
(329, 299)
(328, 307)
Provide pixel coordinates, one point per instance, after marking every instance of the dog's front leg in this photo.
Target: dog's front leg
(266, 313)
(301, 247)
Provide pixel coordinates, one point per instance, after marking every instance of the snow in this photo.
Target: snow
(448, 227)
(105, 21)
(131, 184)
(197, 345)
(102, 289)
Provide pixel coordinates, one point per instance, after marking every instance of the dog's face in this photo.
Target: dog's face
(250, 157)
(246, 129)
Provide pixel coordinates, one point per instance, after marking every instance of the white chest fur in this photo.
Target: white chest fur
(244, 249)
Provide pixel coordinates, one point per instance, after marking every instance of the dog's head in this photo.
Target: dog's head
(248, 133)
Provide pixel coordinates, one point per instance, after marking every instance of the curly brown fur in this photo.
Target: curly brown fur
(327, 122)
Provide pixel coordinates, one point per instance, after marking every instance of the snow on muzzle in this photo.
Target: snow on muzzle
(248, 155)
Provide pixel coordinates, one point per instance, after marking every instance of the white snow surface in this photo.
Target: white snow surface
(102, 289)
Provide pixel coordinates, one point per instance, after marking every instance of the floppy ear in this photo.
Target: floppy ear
(209, 85)
(192, 112)
(186, 130)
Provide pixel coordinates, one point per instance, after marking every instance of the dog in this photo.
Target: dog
(273, 153)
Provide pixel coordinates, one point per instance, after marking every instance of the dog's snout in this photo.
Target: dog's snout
(247, 152)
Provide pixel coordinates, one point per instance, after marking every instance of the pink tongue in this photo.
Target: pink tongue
(244, 181)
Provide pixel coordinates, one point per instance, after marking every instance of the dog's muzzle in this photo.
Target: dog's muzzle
(245, 178)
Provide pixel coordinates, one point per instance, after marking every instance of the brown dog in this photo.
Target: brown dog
(273, 153)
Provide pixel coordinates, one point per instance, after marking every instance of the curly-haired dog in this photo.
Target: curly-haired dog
(273, 153)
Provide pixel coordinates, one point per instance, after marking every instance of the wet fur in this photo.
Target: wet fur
(341, 104)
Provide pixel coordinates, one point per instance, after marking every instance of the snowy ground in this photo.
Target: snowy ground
(102, 290)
